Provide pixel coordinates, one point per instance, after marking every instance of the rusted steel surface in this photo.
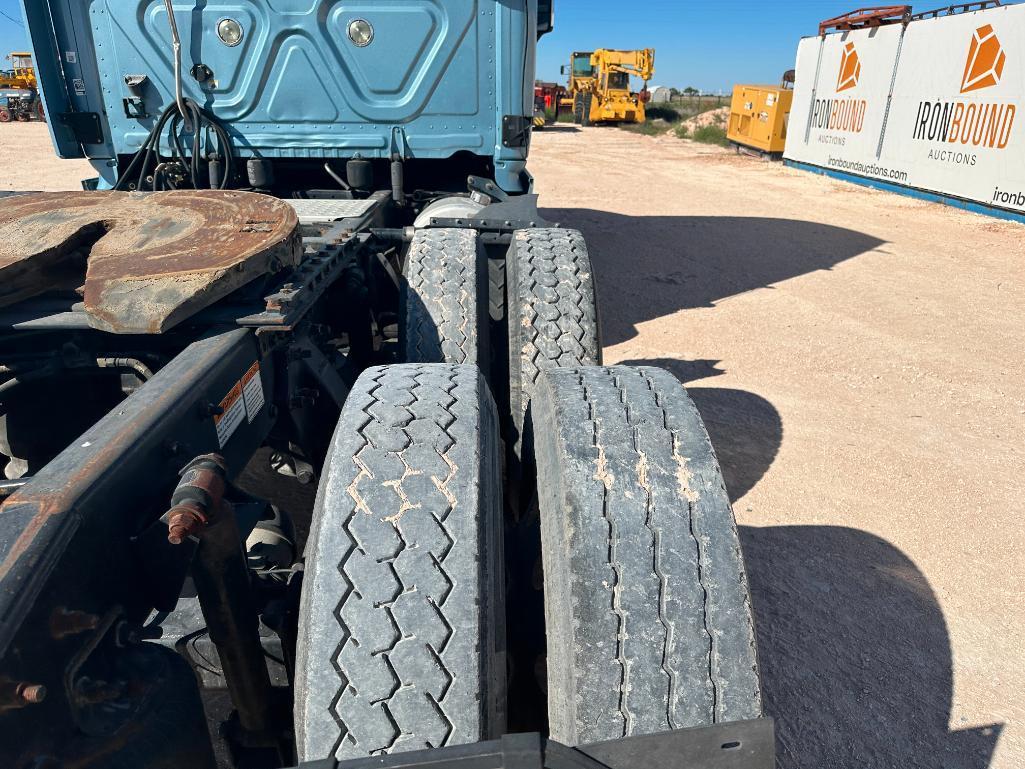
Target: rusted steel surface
(876, 16)
(86, 484)
(149, 261)
(197, 497)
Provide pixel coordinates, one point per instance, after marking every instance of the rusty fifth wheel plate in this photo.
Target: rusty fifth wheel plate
(147, 261)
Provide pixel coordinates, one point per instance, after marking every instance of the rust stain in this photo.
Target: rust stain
(47, 504)
(150, 260)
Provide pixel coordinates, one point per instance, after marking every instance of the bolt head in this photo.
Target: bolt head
(32, 693)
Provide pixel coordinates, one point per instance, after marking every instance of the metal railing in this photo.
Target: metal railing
(951, 10)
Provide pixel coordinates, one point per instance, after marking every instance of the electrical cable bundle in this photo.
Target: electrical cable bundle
(151, 171)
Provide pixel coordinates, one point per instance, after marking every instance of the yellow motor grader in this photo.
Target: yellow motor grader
(599, 85)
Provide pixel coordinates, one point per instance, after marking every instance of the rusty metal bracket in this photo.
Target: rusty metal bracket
(293, 299)
(875, 16)
(71, 690)
(327, 257)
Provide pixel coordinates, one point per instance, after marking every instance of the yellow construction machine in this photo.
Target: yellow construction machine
(21, 74)
(19, 91)
(599, 85)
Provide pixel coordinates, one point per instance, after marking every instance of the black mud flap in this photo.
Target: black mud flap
(736, 745)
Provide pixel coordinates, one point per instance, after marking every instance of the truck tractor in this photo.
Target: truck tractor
(599, 85)
(309, 455)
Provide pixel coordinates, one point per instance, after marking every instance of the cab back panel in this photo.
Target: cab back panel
(437, 78)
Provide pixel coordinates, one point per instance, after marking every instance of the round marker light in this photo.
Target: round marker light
(230, 32)
(360, 32)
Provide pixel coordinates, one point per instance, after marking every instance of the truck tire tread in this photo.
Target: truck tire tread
(648, 614)
(442, 302)
(401, 615)
(552, 312)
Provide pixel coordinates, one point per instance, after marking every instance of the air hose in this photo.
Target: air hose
(181, 170)
(150, 170)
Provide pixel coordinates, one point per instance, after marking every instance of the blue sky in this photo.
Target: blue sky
(708, 44)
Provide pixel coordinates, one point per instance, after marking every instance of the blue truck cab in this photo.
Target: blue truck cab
(446, 86)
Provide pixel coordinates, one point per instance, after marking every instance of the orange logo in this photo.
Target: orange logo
(986, 61)
(850, 69)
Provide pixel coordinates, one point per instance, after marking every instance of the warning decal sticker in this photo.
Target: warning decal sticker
(243, 402)
(233, 411)
(252, 391)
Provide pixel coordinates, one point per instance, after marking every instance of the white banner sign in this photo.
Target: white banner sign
(953, 121)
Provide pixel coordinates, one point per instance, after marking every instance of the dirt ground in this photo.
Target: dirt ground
(857, 356)
(27, 161)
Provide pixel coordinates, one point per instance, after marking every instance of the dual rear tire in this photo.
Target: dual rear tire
(402, 619)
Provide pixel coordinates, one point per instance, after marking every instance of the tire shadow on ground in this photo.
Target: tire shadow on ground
(855, 655)
(854, 651)
(647, 267)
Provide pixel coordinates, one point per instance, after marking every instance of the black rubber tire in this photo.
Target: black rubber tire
(646, 600)
(444, 301)
(401, 628)
(578, 108)
(585, 116)
(5, 115)
(552, 315)
(496, 290)
(498, 338)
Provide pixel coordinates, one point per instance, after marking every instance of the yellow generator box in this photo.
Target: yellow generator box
(758, 117)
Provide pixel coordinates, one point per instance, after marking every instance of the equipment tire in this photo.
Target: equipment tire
(552, 314)
(646, 601)
(401, 634)
(578, 108)
(5, 115)
(444, 299)
(585, 118)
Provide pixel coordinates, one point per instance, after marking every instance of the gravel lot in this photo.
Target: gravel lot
(857, 356)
